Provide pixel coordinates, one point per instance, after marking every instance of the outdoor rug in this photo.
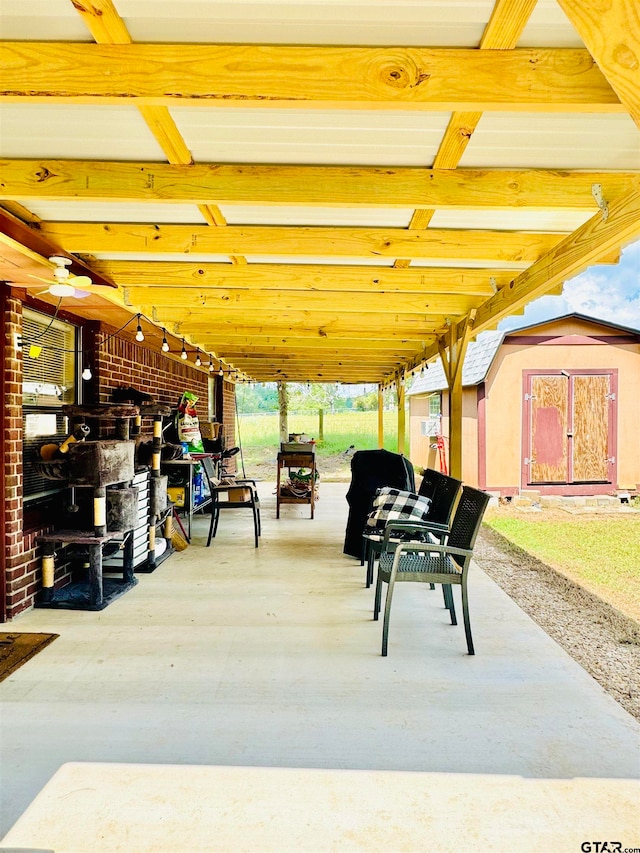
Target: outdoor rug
(17, 648)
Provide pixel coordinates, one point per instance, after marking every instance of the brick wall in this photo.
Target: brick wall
(22, 562)
(118, 363)
(122, 363)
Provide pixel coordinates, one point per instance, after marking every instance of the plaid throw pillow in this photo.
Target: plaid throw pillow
(393, 504)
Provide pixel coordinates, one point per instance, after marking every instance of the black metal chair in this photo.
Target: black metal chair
(446, 564)
(443, 492)
(234, 494)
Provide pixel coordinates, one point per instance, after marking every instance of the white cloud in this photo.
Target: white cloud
(604, 292)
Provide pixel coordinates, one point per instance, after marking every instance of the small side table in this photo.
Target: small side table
(296, 460)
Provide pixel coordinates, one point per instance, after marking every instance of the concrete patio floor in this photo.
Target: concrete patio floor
(232, 656)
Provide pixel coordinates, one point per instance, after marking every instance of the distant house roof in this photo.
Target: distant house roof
(480, 355)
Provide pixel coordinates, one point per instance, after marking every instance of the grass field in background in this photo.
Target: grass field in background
(341, 430)
(600, 553)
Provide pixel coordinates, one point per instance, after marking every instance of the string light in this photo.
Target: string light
(211, 368)
(165, 342)
(139, 332)
(183, 354)
(198, 360)
(86, 373)
(221, 371)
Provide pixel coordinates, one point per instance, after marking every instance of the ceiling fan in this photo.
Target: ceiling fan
(63, 283)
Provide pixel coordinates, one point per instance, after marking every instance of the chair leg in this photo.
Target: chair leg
(371, 557)
(378, 596)
(387, 615)
(465, 615)
(211, 523)
(255, 522)
(364, 551)
(447, 591)
(215, 520)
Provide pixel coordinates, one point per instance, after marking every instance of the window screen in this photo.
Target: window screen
(48, 383)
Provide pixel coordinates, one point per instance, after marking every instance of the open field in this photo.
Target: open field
(342, 430)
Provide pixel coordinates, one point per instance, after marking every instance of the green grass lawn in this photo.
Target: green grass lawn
(341, 430)
(602, 553)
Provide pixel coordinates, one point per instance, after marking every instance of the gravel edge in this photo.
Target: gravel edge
(604, 641)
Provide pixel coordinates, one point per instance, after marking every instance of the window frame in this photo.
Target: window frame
(37, 507)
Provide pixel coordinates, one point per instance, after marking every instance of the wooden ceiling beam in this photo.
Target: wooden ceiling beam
(300, 323)
(611, 33)
(175, 278)
(225, 301)
(300, 241)
(366, 186)
(557, 80)
(265, 343)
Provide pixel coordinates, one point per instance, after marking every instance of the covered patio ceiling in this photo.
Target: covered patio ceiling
(317, 191)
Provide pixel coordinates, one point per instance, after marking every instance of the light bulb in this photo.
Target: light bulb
(86, 373)
(165, 342)
(221, 372)
(198, 360)
(183, 354)
(139, 332)
(211, 364)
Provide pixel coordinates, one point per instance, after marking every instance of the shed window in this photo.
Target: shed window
(48, 382)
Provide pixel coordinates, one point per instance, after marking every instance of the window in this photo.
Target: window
(48, 382)
(431, 426)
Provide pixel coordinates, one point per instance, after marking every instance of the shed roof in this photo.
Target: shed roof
(481, 353)
(316, 190)
(477, 361)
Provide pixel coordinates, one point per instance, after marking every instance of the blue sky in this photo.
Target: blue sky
(603, 292)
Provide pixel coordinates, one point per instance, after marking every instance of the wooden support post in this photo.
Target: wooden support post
(401, 413)
(282, 407)
(380, 416)
(320, 424)
(452, 353)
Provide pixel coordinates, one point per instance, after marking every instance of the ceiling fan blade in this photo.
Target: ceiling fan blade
(39, 278)
(80, 294)
(79, 280)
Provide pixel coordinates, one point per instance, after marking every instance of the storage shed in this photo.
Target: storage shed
(553, 407)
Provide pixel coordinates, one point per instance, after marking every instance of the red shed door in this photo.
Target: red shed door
(571, 439)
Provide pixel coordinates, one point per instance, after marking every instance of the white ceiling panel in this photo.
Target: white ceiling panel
(76, 131)
(339, 137)
(539, 141)
(548, 26)
(81, 211)
(168, 257)
(325, 261)
(374, 217)
(340, 22)
(479, 264)
(509, 219)
(41, 20)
